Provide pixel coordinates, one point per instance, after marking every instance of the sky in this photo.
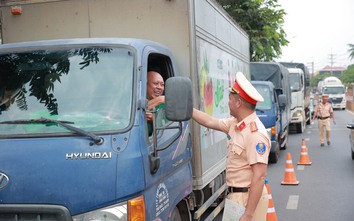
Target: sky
(319, 32)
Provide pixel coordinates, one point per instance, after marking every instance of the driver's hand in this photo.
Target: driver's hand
(148, 116)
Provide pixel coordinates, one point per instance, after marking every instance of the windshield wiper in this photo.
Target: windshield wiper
(97, 140)
(260, 110)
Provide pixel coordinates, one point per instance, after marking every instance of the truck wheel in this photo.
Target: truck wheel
(274, 156)
(299, 128)
(175, 216)
(308, 122)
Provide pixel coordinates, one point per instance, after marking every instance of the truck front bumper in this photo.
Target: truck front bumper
(338, 106)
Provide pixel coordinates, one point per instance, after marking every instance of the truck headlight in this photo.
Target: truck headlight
(297, 113)
(117, 212)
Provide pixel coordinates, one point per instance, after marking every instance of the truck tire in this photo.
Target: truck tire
(300, 128)
(274, 156)
(308, 122)
(175, 216)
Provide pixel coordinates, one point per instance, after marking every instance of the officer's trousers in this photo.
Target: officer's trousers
(261, 211)
(324, 125)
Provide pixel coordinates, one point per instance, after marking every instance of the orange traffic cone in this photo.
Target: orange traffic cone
(289, 175)
(271, 215)
(304, 156)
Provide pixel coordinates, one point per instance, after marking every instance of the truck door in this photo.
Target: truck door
(172, 179)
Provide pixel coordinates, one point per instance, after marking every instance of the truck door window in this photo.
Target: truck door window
(161, 64)
(295, 81)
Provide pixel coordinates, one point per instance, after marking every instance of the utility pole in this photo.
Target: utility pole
(331, 57)
(312, 68)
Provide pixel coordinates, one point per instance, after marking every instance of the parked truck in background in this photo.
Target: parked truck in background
(300, 96)
(268, 112)
(74, 141)
(277, 117)
(333, 87)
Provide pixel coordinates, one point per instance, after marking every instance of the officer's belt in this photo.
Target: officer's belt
(323, 118)
(238, 189)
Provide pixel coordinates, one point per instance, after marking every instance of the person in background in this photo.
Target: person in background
(154, 94)
(323, 111)
(248, 149)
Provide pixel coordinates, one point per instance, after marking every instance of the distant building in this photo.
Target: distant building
(332, 70)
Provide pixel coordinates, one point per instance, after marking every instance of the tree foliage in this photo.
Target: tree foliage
(315, 79)
(351, 51)
(348, 75)
(263, 21)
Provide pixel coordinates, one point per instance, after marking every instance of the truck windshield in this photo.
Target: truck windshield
(334, 90)
(265, 92)
(295, 81)
(89, 87)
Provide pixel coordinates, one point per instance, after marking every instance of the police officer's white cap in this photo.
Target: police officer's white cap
(246, 90)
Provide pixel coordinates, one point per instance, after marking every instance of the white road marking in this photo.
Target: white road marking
(301, 167)
(293, 201)
(348, 111)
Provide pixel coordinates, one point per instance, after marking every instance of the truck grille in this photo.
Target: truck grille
(16, 212)
(337, 100)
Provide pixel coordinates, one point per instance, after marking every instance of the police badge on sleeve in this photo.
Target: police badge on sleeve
(261, 148)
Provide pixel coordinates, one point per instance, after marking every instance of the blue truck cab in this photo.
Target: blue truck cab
(278, 75)
(74, 140)
(74, 143)
(269, 113)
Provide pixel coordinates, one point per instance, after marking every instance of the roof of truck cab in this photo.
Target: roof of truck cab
(136, 43)
(295, 71)
(269, 71)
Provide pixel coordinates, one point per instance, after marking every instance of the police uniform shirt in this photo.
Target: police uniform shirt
(323, 110)
(248, 143)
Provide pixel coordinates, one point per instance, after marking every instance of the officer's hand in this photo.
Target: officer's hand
(246, 217)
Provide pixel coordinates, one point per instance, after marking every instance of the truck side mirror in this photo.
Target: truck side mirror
(282, 100)
(178, 99)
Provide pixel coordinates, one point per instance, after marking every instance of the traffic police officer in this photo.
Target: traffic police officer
(248, 149)
(323, 111)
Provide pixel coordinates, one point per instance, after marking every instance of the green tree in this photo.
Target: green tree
(263, 21)
(348, 75)
(351, 51)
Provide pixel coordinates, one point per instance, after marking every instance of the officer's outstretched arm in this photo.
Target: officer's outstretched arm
(206, 120)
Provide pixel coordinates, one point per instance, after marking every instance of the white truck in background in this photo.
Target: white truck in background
(300, 96)
(333, 87)
(299, 115)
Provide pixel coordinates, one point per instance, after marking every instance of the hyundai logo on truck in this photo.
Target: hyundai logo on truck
(4, 180)
(85, 156)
